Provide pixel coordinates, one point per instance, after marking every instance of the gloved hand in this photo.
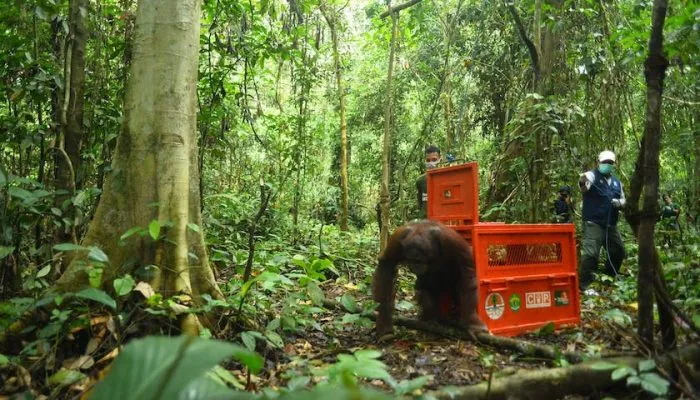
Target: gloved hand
(616, 203)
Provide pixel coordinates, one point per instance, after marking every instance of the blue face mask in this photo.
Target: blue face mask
(606, 169)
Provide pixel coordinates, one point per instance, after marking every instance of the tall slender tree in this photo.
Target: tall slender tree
(70, 134)
(332, 19)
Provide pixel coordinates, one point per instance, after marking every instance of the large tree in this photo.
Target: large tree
(154, 174)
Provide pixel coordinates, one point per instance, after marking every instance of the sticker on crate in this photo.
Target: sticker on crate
(495, 305)
(538, 300)
(515, 302)
(561, 298)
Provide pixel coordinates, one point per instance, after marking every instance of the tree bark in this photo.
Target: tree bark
(331, 17)
(385, 199)
(67, 157)
(654, 71)
(154, 172)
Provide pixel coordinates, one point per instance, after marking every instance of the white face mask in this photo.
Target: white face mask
(431, 164)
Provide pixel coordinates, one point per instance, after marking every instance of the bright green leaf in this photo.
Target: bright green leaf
(68, 247)
(623, 372)
(124, 286)
(647, 365)
(349, 303)
(603, 365)
(98, 296)
(5, 251)
(154, 229)
(96, 254)
(65, 377)
(44, 271)
(653, 383)
(169, 366)
(193, 227)
(130, 232)
(248, 340)
(275, 339)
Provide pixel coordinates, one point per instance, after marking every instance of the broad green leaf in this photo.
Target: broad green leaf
(96, 254)
(367, 354)
(623, 372)
(350, 318)
(69, 247)
(298, 382)
(206, 388)
(653, 383)
(273, 325)
(647, 365)
(349, 303)
(275, 339)
(65, 377)
(130, 232)
(43, 272)
(57, 212)
(124, 286)
(603, 365)
(5, 251)
(168, 366)
(4, 360)
(248, 340)
(408, 386)
(193, 227)
(20, 193)
(98, 296)
(154, 229)
(315, 293)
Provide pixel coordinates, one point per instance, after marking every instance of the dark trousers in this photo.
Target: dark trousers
(595, 237)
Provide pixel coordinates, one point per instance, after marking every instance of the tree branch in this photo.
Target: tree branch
(399, 8)
(534, 57)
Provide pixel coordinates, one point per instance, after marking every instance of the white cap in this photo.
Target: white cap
(606, 155)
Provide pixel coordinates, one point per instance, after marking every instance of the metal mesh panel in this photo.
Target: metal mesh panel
(523, 254)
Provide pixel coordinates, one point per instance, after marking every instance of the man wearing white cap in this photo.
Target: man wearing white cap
(602, 199)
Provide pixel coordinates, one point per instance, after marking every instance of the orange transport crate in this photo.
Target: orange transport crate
(527, 273)
(453, 194)
(527, 276)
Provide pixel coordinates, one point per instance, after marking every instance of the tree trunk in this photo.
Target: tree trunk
(386, 143)
(67, 158)
(332, 19)
(654, 71)
(154, 172)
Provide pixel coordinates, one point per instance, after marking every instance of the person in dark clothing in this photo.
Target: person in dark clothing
(670, 225)
(432, 159)
(603, 198)
(563, 209)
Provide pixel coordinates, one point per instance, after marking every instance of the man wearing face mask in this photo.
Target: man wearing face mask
(603, 198)
(432, 159)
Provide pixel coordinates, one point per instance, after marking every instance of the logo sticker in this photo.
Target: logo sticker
(538, 300)
(515, 302)
(447, 194)
(495, 305)
(561, 298)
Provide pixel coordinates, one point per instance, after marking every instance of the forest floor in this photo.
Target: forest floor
(411, 354)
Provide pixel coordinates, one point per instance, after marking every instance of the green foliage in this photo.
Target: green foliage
(166, 368)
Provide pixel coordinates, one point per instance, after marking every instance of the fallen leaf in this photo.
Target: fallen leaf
(109, 356)
(178, 308)
(145, 289)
